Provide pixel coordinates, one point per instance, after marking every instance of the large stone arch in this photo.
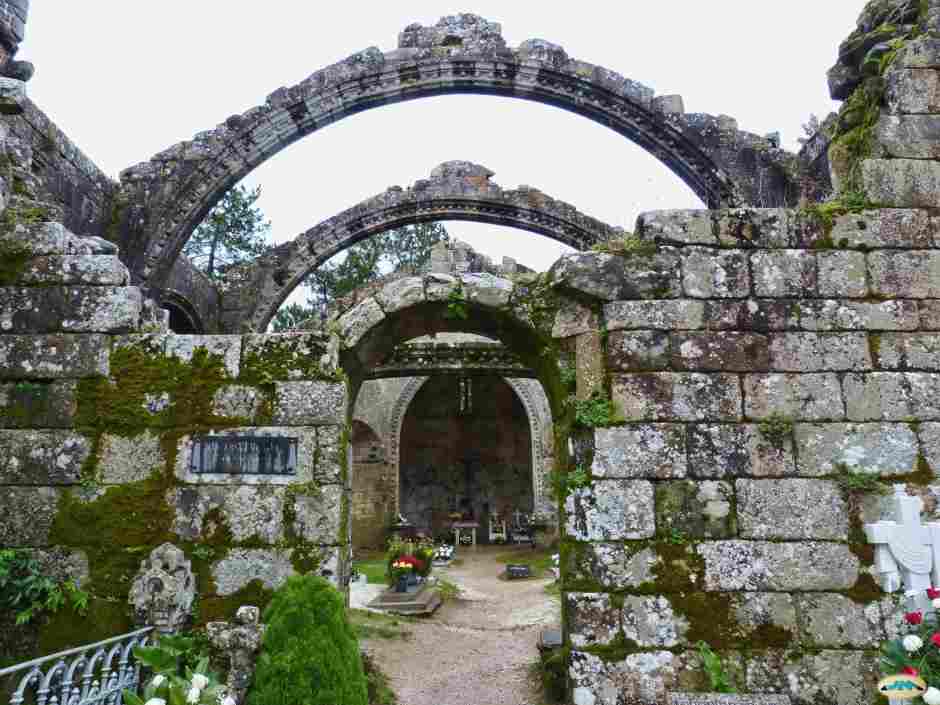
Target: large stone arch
(368, 328)
(455, 191)
(165, 198)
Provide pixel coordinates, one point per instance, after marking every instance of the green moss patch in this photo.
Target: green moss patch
(24, 213)
(13, 262)
(629, 245)
(119, 405)
(216, 608)
(854, 140)
(66, 629)
(281, 359)
(865, 591)
(29, 405)
(117, 530)
(616, 651)
(678, 569)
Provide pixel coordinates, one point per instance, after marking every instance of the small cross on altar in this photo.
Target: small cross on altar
(907, 552)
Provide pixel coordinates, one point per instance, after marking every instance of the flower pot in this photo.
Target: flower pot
(412, 579)
(401, 585)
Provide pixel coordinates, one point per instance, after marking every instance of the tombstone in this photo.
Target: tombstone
(240, 642)
(725, 699)
(163, 591)
(907, 552)
(518, 571)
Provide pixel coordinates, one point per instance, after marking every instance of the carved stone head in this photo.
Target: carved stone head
(163, 591)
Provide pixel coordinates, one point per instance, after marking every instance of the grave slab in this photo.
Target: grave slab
(724, 699)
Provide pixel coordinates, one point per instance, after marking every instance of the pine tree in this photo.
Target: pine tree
(235, 231)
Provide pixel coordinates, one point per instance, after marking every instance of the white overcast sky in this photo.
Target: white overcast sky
(126, 79)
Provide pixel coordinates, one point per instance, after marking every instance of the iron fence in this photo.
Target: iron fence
(94, 673)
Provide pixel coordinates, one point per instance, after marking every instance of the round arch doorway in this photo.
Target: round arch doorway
(465, 453)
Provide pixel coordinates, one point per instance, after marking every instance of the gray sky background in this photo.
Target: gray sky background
(126, 79)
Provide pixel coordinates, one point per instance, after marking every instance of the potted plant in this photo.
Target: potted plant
(424, 552)
(401, 571)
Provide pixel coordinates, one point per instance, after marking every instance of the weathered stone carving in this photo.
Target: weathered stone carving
(163, 591)
(240, 642)
(907, 553)
(422, 359)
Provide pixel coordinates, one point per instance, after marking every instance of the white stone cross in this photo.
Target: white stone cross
(907, 552)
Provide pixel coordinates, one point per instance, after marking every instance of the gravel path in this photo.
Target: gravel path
(475, 650)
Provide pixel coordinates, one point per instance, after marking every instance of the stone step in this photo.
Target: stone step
(423, 602)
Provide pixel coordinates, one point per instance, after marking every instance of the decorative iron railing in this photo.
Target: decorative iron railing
(95, 673)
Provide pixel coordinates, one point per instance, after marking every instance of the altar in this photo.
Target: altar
(459, 526)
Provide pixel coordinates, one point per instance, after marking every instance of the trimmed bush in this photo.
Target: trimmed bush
(309, 655)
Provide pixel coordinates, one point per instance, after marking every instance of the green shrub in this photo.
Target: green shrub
(309, 655)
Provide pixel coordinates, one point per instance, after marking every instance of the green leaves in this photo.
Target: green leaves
(456, 305)
(293, 316)
(407, 248)
(598, 410)
(714, 669)
(165, 661)
(28, 592)
(132, 699)
(157, 659)
(925, 659)
(564, 482)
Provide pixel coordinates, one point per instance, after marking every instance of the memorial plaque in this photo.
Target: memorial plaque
(515, 572)
(725, 699)
(243, 455)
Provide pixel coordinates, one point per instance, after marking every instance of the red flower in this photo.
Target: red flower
(914, 618)
(908, 671)
(933, 593)
(415, 563)
(935, 639)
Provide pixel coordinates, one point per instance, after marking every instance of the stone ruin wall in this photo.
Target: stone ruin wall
(754, 358)
(98, 406)
(44, 165)
(769, 365)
